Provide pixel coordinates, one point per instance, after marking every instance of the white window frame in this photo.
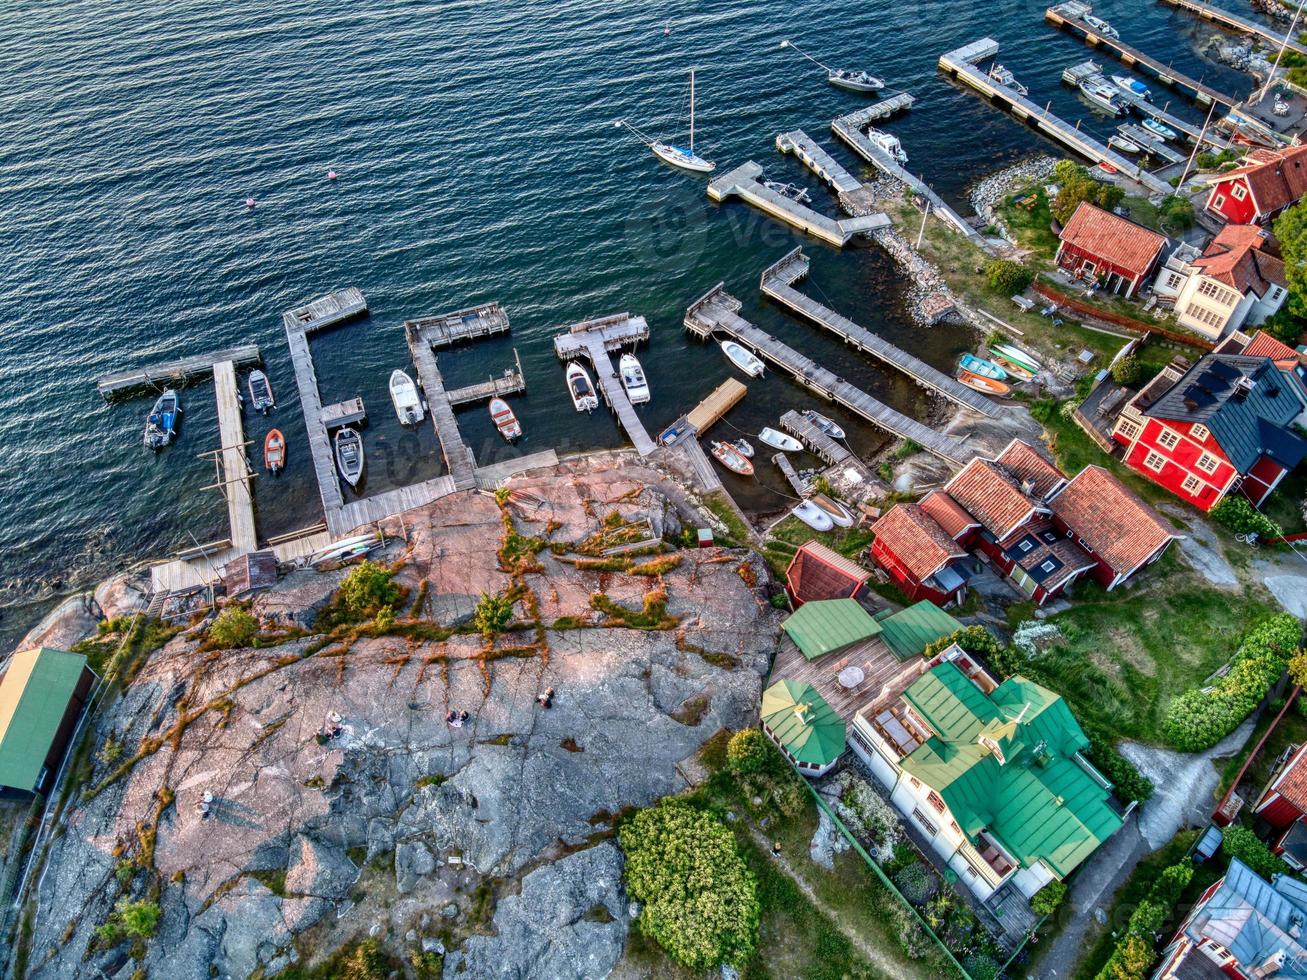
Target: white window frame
(1192, 485)
(1128, 429)
(1199, 433)
(927, 826)
(1148, 461)
(1218, 201)
(1168, 439)
(1208, 463)
(1238, 192)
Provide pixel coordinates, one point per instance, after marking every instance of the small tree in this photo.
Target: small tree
(1007, 277)
(234, 627)
(365, 962)
(1285, 327)
(492, 614)
(1127, 371)
(1242, 843)
(367, 589)
(1048, 899)
(1298, 668)
(748, 751)
(1175, 213)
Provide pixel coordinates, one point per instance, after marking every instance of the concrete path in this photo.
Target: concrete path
(1285, 574)
(1202, 549)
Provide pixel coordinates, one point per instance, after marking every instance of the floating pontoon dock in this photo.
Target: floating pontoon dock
(594, 340)
(817, 160)
(509, 383)
(1236, 23)
(348, 412)
(446, 329)
(236, 470)
(1077, 73)
(723, 398)
(175, 373)
(718, 312)
(1070, 17)
(743, 182)
(961, 63)
(778, 283)
(1151, 145)
(817, 442)
(884, 109)
(325, 311)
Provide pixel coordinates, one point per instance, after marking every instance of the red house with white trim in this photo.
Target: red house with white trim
(1284, 800)
(1102, 247)
(920, 556)
(1267, 182)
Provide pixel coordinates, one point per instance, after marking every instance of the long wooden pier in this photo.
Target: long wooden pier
(817, 160)
(447, 329)
(176, 372)
(817, 441)
(778, 283)
(1235, 22)
(743, 182)
(718, 312)
(594, 339)
(1075, 74)
(961, 64)
(458, 455)
(1069, 17)
(236, 472)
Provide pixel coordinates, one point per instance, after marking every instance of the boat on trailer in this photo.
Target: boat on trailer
(349, 455)
(504, 419)
(742, 358)
(633, 379)
(779, 440)
(261, 392)
(404, 396)
(581, 388)
(274, 451)
(729, 456)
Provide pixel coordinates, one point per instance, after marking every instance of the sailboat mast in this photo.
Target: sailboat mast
(691, 110)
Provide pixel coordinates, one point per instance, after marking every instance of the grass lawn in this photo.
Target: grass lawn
(848, 541)
(1032, 227)
(1285, 504)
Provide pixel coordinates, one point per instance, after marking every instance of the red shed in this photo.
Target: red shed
(1118, 254)
(1267, 183)
(1285, 798)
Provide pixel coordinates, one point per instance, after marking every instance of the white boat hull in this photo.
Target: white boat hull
(742, 358)
(779, 440)
(633, 379)
(680, 157)
(836, 511)
(404, 396)
(581, 388)
(813, 516)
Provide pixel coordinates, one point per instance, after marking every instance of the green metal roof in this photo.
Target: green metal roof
(34, 694)
(1040, 801)
(911, 630)
(825, 625)
(803, 723)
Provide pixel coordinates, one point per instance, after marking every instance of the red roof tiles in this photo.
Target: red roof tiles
(1026, 464)
(1264, 345)
(948, 513)
(916, 540)
(991, 496)
(1244, 257)
(1120, 528)
(1113, 239)
(1277, 178)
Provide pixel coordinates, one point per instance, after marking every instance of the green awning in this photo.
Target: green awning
(827, 625)
(34, 694)
(911, 630)
(802, 722)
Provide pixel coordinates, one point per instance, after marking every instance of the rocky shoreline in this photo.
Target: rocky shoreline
(987, 193)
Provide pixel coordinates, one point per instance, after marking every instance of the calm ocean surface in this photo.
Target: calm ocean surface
(478, 161)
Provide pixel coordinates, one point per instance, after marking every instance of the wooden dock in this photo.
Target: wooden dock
(1077, 73)
(378, 507)
(797, 483)
(723, 398)
(348, 412)
(1151, 145)
(458, 455)
(1069, 17)
(1236, 23)
(447, 329)
(743, 182)
(817, 442)
(852, 130)
(236, 471)
(886, 108)
(778, 283)
(718, 312)
(594, 339)
(509, 383)
(326, 311)
(817, 160)
(306, 380)
(961, 64)
(175, 373)
(491, 476)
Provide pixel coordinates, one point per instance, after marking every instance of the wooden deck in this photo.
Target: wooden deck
(594, 339)
(509, 383)
(778, 282)
(817, 160)
(326, 311)
(743, 182)
(446, 329)
(800, 486)
(961, 64)
(881, 670)
(236, 471)
(491, 476)
(378, 507)
(175, 373)
(818, 442)
(348, 412)
(722, 399)
(718, 312)
(458, 455)
(1236, 23)
(306, 380)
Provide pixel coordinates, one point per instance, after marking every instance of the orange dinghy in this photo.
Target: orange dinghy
(980, 383)
(274, 451)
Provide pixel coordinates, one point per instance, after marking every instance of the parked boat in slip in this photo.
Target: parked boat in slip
(1133, 86)
(978, 382)
(813, 516)
(836, 511)
(1123, 144)
(779, 440)
(504, 419)
(581, 388)
(982, 367)
(729, 456)
(633, 379)
(826, 425)
(349, 455)
(274, 451)
(161, 423)
(744, 447)
(1159, 129)
(1103, 94)
(404, 396)
(261, 392)
(1103, 27)
(742, 358)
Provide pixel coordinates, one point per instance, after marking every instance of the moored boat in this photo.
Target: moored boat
(728, 456)
(836, 511)
(794, 192)
(744, 447)
(349, 455)
(826, 425)
(978, 382)
(1103, 27)
(854, 81)
(742, 358)
(1004, 77)
(1018, 371)
(404, 396)
(890, 144)
(161, 423)
(1159, 129)
(633, 379)
(504, 419)
(678, 156)
(1018, 356)
(1133, 86)
(261, 392)
(581, 388)
(1123, 144)
(274, 451)
(813, 516)
(1102, 94)
(986, 369)
(779, 440)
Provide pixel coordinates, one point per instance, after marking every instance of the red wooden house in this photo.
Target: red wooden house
(1284, 800)
(816, 572)
(1099, 246)
(920, 556)
(1266, 183)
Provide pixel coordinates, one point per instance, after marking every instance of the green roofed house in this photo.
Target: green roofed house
(42, 694)
(827, 625)
(993, 775)
(803, 726)
(909, 631)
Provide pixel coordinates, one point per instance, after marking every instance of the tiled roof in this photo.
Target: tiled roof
(1113, 239)
(1264, 345)
(1052, 558)
(816, 572)
(1244, 257)
(989, 494)
(916, 540)
(948, 513)
(1276, 177)
(1293, 784)
(1120, 528)
(1027, 464)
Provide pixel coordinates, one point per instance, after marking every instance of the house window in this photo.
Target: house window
(1208, 463)
(916, 783)
(1238, 192)
(1174, 280)
(1205, 316)
(1192, 485)
(1218, 201)
(1168, 439)
(930, 829)
(1199, 433)
(1127, 430)
(935, 802)
(1155, 462)
(1223, 296)
(1048, 566)
(1025, 545)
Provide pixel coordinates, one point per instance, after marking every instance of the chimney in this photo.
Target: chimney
(1271, 964)
(1028, 487)
(1243, 388)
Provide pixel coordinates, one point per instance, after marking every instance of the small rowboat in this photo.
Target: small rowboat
(978, 382)
(261, 392)
(982, 367)
(813, 516)
(274, 452)
(825, 424)
(1017, 356)
(1123, 144)
(1107, 168)
(727, 455)
(581, 388)
(504, 419)
(836, 511)
(744, 448)
(349, 455)
(1159, 129)
(742, 358)
(779, 440)
(1015, 370)
(404, 395)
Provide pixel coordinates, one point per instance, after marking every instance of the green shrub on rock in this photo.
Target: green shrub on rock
(233, 628)
(748, 751)
(1241, 517)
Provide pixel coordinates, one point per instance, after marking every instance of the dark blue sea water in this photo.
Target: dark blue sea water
(477, 160)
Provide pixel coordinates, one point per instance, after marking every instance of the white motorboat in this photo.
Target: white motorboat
(826, 425)
(1159, 129)
(779, 440)
(261, 392)
(742, 358)
(404, 396)
(581, 388)
(813, 516)
(1102, 94)
(1005, 78)
(890, 144)
(504, 419)
(1103, 27)
(1133, 86)
(836, 511)
(848, 79)
(633, 379)
(161, 423)
(794, 192)
(677, 156)
(349, 455)
(1123, 144)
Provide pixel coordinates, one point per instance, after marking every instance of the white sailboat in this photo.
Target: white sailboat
(677, 156)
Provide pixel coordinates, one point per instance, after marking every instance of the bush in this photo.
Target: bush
(234, 627)
(700, 899)
(1242, 843)
(979, 966)
(1134, 950)
(1007, 277)
(1127, 371)
(363, 593)
(748, 751)
(1285, 327)
(1127, 781)
(365, 962)
(492, 614)
(916, 884)
(131, 920)
(1241, 517)
(1078, 186)
(1175, 213)
(1048, 899)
